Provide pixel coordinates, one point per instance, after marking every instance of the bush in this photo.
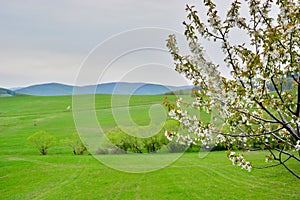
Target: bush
(76, 144)
(42, 141)
(134, 143)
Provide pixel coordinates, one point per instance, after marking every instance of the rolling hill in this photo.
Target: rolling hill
(57, 89)
(6, 92)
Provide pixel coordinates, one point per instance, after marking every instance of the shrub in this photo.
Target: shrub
(42, 141)
(76, 144)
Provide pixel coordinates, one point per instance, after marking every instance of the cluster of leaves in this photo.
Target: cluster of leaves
(253, 106)
(43, 141)
(122, 142)
(76, 144)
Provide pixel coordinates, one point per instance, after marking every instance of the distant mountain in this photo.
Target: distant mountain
(49, 89)
(6, 92)
(15, 88)
(56, 89)
(135, 88)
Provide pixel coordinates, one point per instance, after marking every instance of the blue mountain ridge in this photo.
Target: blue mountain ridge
(57, 89)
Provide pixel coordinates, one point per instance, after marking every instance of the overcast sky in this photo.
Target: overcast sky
(52, 41)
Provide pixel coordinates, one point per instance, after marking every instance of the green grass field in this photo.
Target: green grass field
(24, 174)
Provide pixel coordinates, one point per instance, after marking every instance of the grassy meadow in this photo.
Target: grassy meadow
(24, 174)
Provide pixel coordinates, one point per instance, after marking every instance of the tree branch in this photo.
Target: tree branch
(279, 94)
(287, 153)
(283, 162)
(298, 100)
(267, 111)
(288, 126)
(291, 171)
(274, 165)
(258, 118)
(250, 135)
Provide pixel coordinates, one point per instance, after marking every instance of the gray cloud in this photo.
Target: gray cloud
(46, 41)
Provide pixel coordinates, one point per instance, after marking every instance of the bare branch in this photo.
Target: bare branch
(279, 94)
(288, 126)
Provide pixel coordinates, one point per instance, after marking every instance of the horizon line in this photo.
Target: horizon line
(66, 84)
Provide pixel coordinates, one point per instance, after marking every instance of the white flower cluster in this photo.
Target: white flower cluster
(197, 133)
(239, 160)
(297, 147)
(180, 139)
(221, 138)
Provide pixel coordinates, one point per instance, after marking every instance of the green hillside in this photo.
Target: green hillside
(24, 174)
